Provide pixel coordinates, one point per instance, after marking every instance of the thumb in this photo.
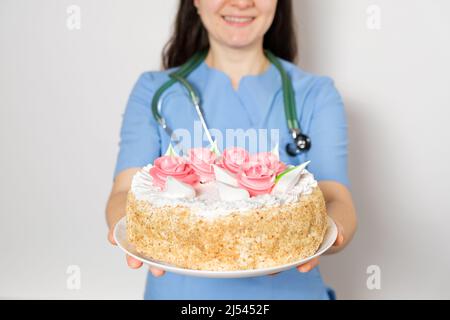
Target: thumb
(340, 236)
(111, 237)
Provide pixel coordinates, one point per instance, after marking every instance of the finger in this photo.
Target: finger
(111, 237)
(339, 240)
(133, 263)
(340, 237)
(157, 272)
(309, 265)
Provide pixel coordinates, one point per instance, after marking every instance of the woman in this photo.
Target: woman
(239, 88)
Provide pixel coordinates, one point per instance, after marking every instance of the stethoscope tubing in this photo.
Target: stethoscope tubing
(288, 96)
(182, 72)
(301, 141)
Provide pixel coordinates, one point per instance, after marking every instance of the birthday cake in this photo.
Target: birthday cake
(223, 212)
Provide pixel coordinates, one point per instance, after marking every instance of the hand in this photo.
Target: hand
(132, 262)
(311, 264)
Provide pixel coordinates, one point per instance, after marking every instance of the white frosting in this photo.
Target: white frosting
(177, 189)
(231, 193)
(207, 202)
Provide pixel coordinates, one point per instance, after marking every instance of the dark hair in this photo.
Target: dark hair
(190, 36)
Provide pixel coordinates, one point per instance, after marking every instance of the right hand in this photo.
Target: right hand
(132, 262)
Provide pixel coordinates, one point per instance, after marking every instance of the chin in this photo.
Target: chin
(238, 42)
(240, 45)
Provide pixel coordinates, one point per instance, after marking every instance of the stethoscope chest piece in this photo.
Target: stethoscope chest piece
(300, 144)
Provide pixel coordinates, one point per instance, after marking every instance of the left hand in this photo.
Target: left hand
(311, 264)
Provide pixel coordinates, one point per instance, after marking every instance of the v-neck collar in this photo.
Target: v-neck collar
(219, 73)
(256, 92)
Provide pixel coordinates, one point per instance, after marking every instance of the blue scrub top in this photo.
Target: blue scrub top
(257, 103)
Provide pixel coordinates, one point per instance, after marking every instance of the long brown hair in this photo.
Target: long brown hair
(190, 36)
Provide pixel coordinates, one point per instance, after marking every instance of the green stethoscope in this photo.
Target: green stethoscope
(301, 142)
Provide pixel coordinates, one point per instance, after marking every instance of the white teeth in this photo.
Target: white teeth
(237, 19)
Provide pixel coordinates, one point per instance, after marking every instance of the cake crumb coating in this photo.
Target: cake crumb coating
(253, 239)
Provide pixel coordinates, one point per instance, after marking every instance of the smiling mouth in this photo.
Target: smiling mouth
(239, 21)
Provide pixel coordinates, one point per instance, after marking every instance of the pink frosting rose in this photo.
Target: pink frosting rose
(256, 178)
(269, 160)
(233, 158)
(201, 160)
(173, 166)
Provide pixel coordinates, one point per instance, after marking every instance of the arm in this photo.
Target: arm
(328, 131)
(341, 209)
(139, 145)
(115, 210)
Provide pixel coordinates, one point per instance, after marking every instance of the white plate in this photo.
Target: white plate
(121, 239)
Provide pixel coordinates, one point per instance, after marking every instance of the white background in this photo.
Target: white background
(62, 94)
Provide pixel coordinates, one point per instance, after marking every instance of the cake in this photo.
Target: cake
(224, 212)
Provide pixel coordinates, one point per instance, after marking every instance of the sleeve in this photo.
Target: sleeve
(139, 137)
(328, 133)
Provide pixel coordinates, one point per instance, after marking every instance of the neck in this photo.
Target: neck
(237, 63)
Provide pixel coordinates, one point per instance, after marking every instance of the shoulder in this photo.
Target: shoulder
(314, 93)
(151, 80)
(147, 83)
(307, 82)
